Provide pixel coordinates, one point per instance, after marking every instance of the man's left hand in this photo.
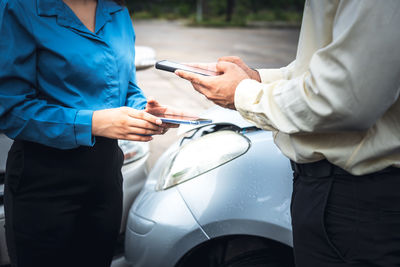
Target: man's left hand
(219, 89)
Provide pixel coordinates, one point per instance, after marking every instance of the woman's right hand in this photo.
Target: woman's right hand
(125, 123)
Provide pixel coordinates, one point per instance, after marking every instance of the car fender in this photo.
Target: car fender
(250, 195)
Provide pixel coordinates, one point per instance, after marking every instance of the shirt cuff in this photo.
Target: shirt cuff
(142, 106)
(270, 75)
(83, 128)
(248, 92)
(256, 102)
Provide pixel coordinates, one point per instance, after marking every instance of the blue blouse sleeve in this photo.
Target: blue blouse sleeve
(135, 97)
(23, 114)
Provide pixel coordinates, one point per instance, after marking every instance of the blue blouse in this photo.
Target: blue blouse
(54, 72)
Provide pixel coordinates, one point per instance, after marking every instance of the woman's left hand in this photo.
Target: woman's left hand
(154, 108)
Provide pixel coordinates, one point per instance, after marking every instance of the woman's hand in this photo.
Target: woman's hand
(153, 107)
(125, 123)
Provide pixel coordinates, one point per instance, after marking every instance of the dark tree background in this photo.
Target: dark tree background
(228, 9)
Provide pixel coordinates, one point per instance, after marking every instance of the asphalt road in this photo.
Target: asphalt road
(258, 47)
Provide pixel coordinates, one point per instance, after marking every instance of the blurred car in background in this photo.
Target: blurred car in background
(134, 170)
(5, 144)
(220, 196)
(145, 57)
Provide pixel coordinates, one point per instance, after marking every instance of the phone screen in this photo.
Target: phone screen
(172, 66)
(178, 119)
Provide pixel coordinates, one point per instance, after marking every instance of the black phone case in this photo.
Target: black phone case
(161, 66)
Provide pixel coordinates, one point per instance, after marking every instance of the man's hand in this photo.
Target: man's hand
(125, 123)
(253, 74)
(219, 89)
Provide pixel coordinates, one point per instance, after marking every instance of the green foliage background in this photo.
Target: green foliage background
(216, 10)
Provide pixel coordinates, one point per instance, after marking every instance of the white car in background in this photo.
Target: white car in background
(134, 170)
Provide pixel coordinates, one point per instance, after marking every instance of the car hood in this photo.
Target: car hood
(220, 115)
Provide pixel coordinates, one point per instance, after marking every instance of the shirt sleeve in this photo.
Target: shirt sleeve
(135, 97)
(23, 114)
(349, 84)
(271, 75)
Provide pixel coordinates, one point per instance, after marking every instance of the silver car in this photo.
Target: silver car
(220, 196)
(134, 170)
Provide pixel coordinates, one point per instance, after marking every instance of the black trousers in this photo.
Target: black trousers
(63, 207)
(343, 220)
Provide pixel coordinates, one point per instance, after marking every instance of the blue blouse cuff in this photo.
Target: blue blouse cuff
(83, 128)
(142, 106)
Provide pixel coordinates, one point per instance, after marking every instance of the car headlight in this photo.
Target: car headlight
(202, 155)
(133, 150)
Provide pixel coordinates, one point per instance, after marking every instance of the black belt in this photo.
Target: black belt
(324, 168)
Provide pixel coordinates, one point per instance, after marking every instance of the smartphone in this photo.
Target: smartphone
(173, 66)
(177, 119)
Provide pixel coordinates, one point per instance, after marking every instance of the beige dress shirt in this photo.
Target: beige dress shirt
(339, 99)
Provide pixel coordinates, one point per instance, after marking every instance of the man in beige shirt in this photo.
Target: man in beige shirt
(335, 112)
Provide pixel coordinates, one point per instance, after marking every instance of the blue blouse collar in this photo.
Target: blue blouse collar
(67, 18)
(51, 7)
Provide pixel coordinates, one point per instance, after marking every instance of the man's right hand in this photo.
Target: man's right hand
(125, 123)
(221, 88)
(253, 74)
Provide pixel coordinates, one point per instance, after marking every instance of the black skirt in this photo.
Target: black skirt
(63, 207)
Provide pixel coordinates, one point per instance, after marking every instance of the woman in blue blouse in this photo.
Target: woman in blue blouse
(67, 91)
